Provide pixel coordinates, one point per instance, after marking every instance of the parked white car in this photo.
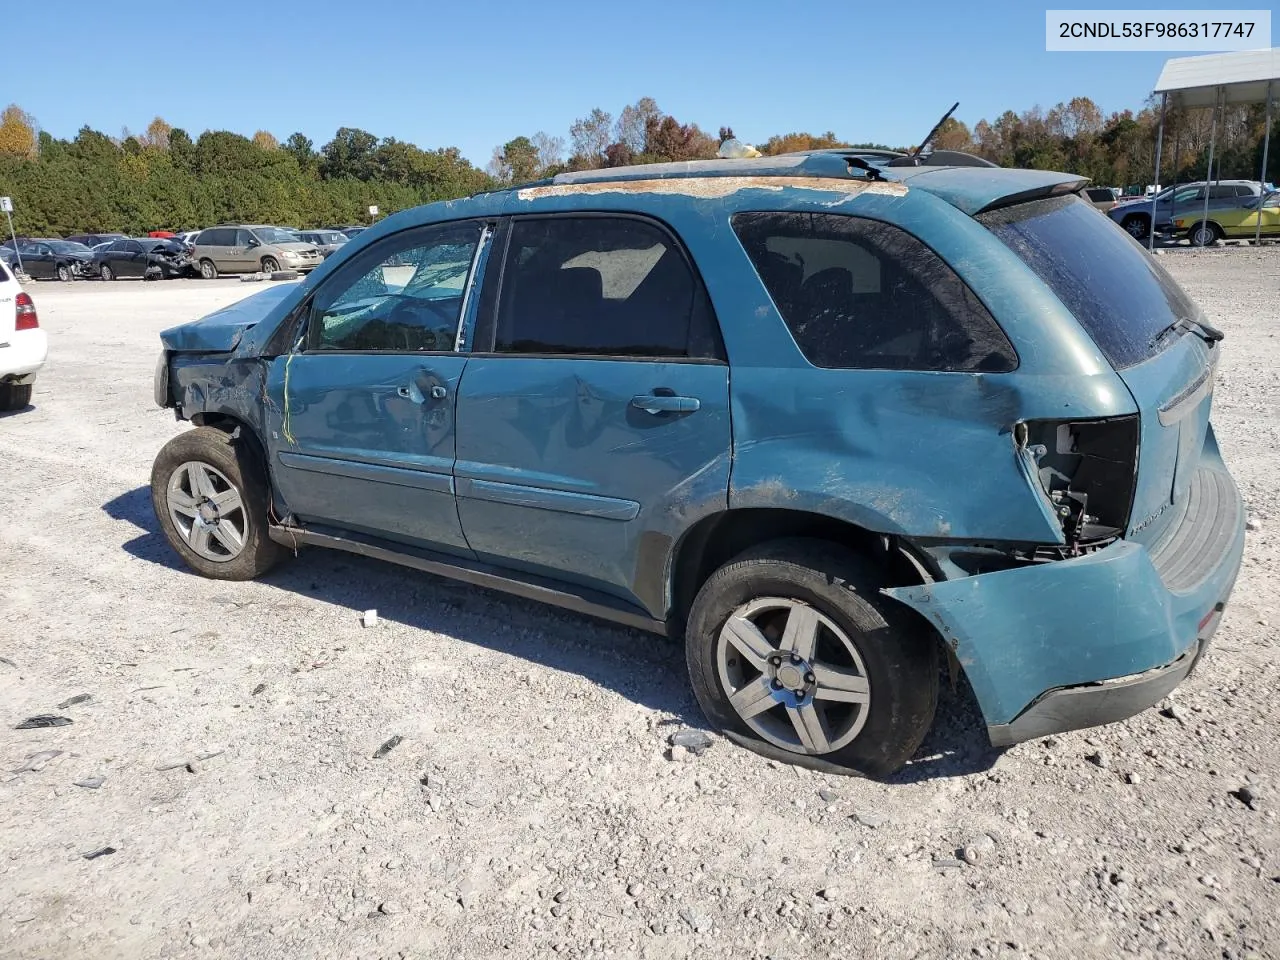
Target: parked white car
(23, 345)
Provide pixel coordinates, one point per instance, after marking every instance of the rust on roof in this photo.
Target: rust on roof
(708, 188)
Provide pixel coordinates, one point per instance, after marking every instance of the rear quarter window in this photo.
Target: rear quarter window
(1116, 290)
(862, 294)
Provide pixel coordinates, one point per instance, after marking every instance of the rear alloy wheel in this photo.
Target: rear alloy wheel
(1136, 227)
(1205, 234)
(208, 270)
(269, 265)
(211, 497)
(105, 273)
(793, 652)
(65, 273)
(15, 396)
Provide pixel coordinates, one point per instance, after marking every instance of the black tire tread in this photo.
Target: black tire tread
(15, 396)
(241, 463)
(900, 651)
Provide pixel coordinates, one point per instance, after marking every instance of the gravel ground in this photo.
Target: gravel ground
(531, 807)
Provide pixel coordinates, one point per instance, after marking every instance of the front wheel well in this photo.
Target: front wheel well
(717, 539)
(239, 430)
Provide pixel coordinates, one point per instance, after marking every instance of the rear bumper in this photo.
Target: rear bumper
(1081, 642)
(23, 356)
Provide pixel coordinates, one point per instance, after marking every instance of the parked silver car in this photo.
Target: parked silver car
(1136, 216)
(328, 242)
(235, 248)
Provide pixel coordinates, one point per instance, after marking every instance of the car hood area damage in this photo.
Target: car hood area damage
(220, 332)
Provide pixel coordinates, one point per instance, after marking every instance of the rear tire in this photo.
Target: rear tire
(1137, 226)
(869, 675)
(15, 396)
(207, 270)
(192, 502)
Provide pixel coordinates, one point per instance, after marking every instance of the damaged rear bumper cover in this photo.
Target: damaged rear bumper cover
(1077, 643)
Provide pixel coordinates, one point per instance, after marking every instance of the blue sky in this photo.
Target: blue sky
(474, 74)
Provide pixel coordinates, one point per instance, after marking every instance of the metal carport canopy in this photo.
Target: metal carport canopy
(1195, 81)
(1214, 81)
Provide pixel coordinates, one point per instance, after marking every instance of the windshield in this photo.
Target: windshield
(274, 235)
(1115, 289)
(67, 246)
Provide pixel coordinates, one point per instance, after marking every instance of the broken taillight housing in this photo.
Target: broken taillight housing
(27, 319)
(1088, 470)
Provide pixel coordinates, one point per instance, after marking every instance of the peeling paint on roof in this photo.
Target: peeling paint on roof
(712, 187)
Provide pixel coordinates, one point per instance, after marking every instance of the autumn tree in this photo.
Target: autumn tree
(952, 135)
(157, 135)
(266, 141)
(794, 142)
(669, 140)
(17, 132)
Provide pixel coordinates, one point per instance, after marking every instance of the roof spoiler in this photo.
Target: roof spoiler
(1035, 193)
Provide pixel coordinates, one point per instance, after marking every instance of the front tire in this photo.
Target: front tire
(65, 273)
(105, 273)
(791, 648)
(269, 265)
(15, 396)
(211, 496)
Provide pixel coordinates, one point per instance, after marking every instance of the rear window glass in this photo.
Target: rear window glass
(1115, 289)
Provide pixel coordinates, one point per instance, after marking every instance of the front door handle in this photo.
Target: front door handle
(411, 391)
(656, 403)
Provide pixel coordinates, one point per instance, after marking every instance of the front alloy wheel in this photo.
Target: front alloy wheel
(207, 511)
(212, 497)
(793, 676)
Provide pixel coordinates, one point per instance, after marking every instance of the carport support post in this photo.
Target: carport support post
(18, 253)
(1208, 175)
(1262, 177)
(1151, 231)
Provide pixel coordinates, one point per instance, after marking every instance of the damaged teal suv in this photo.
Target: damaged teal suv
(829, 419)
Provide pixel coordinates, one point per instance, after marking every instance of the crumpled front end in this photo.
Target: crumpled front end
(1064, 644)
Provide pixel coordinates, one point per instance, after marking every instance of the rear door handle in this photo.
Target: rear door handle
(660, 403)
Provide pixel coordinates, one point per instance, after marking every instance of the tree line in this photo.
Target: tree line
(162, 178)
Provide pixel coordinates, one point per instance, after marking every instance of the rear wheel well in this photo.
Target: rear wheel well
(715, 540)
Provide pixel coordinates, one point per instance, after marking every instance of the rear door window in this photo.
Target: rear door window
(1115, 289)
(861, 294)
(601, 286)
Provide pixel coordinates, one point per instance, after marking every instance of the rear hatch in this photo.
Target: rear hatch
(1152, 333)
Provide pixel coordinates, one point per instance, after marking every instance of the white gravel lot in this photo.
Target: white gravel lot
(530, 809)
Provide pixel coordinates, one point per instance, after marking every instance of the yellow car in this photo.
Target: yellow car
(1241, 222)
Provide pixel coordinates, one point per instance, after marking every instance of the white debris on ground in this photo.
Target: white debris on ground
(483, 777)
